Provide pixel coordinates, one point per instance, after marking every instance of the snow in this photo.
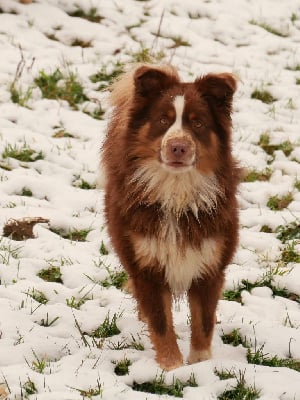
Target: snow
(222, 36)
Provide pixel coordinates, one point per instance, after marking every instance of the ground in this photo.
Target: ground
(68, 330)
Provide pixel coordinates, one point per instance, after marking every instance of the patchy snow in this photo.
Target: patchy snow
(61, 360)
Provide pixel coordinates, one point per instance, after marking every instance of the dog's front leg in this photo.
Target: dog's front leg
(203, 298)
(155, 307)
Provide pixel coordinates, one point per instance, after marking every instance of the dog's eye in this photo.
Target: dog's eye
(164, 121)
(196, 123)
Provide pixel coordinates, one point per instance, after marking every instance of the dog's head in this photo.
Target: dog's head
(172, 139)
(183, 126)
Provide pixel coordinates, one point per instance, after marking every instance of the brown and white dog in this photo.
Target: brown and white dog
(170, 197)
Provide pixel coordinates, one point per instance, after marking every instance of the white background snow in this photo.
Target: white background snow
(224, 35)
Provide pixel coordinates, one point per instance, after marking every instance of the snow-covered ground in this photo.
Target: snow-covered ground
(47, 347)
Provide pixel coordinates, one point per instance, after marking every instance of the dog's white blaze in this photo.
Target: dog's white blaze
(181, 267)
(179, 106)
(175, 129)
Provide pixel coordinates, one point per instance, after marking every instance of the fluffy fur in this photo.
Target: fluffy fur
(170, 197)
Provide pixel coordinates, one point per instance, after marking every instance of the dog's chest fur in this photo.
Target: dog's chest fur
(181, 262)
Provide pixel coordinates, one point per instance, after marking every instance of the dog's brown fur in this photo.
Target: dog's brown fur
(170, 197)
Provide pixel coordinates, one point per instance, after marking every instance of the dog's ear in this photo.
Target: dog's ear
(150, 82)
(218, 89)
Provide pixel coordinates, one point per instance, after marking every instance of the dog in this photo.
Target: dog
(170, 197)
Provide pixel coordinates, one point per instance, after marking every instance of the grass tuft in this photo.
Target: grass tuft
(29, 388)
(158, 386)
(23, 153)
(263, 95)
(91, 392)
(269, 28)
(276, 203)
(106, 77)
(264, 142)
(289, 254)
(122, 367)
(224, 374)
(287, 232)
(51, 274)
(241, 391)
(92, 15)
(266, 281)
(46, 322)
(258, 357)
(117, 279)
(108, 328)
(234, 338)
(76, 235)
(77, 303)
(59, 86)
(255, 175)
(38, 296)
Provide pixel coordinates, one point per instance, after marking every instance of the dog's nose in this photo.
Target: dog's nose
(178, 152)
(178, 148)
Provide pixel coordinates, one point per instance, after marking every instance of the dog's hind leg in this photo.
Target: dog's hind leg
(155, 306)
(203, 298)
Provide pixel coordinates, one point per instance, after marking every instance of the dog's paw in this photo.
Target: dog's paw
(167, 364)
(199, 355)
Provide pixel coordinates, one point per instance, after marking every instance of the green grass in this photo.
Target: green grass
(105, 76)
(92, 15)
(289, 254)
(122, 367)
(234, 338)
(18, 96)
(178, 41)
(123, 344)
(62, 133)
(108, 328)
(224, 374)
(158, 386)
(276, 203)
(51, 274)
(61, 86)
(46, 322)
(38, 296)
(83, 184)
(269, 28)
(29, 388)
(287, 232)
(76, 235)
(264, 142)
(146, 55)
(241, 391)
(82, 43)
(265, 281)
(22, 153)
(38, 364)
(116, 278)
(258, 357)
(295, 67)
(103, 249)
(297, 81)
(26, 192)
(263, 95)
(90, 393)
(255, 175)
(8, 251)
(266, 229)
(76, 303)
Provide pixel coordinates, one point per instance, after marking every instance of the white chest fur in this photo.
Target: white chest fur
(181, 264)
